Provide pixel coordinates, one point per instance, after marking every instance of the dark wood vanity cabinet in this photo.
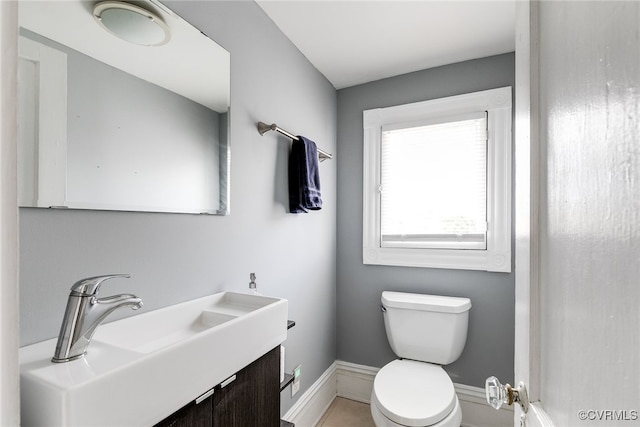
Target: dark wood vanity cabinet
(252, 399)
(192, 415)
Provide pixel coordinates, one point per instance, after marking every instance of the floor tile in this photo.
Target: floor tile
(347, 413)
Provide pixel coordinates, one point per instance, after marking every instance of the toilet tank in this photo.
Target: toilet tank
(423, 327)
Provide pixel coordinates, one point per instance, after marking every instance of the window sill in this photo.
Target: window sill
(433, 258)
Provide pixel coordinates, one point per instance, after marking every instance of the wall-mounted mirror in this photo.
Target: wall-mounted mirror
(108, 124)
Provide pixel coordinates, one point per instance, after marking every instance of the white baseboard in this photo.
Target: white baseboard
(355, 382)
(476, 412)
(309, 408)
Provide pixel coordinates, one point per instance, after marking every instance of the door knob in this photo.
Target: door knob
(497, 394)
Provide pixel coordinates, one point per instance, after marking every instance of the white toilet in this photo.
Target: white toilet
(425, 331)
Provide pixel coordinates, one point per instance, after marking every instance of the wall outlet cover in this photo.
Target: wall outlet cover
(295, 387)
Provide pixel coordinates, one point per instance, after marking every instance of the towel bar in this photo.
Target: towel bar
(264, 128)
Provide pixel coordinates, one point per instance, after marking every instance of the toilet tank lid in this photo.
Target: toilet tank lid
(425, 302)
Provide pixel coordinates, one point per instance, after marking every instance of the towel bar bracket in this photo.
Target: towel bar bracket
(264, 128)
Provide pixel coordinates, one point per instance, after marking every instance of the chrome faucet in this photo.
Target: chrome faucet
(85, 311)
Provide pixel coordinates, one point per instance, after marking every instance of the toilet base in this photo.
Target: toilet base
(452, 420)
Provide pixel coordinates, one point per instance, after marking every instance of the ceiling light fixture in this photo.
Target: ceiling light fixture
(131, 23)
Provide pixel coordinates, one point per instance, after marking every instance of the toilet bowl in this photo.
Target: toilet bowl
(417, 394)
(425, 331)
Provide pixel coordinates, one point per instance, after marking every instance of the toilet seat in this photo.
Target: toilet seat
(454, 419)
(413, 394)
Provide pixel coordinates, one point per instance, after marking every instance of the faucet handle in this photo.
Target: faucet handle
(91, 285)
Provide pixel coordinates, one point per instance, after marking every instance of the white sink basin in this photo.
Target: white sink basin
(141, 369)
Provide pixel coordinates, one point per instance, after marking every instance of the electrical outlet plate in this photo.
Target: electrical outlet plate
(295, 385)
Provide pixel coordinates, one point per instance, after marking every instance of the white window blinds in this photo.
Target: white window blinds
(434, 183)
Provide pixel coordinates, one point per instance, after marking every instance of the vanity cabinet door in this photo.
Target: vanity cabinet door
(192, 415)
(253, 398)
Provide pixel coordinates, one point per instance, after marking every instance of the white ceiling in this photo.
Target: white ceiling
(357, 41)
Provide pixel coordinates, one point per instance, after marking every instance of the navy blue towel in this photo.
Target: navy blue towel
(304, 176)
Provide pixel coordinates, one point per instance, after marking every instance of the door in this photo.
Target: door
(527, 200)
(577, 344)
(9, 366)
(251, 397)
(527, 188)
(42, 137)
(196, 414)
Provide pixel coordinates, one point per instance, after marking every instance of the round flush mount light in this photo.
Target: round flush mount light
(131, 23)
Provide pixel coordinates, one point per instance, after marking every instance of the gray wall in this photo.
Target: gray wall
(361, 337)
(174, 257)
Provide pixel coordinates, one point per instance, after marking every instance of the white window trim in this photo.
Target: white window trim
(497, 257)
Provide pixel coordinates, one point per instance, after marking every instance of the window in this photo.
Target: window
(414, 214)
(437, 183)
